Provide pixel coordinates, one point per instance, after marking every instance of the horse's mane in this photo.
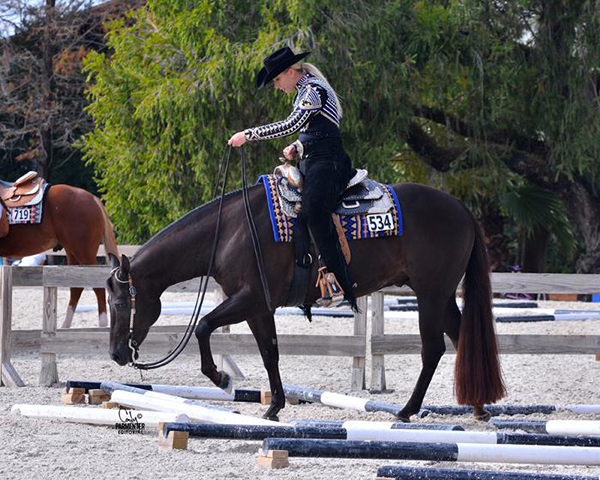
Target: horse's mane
(183, 221)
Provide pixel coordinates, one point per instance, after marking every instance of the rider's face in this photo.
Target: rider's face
(286, 80)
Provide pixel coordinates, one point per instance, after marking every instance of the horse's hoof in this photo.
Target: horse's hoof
(273, 418)
(482, 417)
(403, 418)
(226, 383)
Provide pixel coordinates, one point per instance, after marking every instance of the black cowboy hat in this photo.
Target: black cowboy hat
(276, 63)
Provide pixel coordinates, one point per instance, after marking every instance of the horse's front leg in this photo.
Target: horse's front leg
(263, 329)
(233, 310)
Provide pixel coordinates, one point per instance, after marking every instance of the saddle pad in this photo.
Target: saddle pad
(31, 212)
(356, 227)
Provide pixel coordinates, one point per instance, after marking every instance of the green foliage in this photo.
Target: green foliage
(179, 82)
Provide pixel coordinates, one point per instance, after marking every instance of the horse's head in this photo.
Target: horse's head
(132, 311)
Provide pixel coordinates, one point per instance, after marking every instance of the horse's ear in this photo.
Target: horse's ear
(114, 261)
(125, 267)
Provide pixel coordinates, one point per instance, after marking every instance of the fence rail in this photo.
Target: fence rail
(50, 341)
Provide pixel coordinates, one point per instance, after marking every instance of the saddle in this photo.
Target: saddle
(23, 200)
(362, 195)
(27, 190)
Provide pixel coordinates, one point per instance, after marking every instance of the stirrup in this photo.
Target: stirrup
(331, 291)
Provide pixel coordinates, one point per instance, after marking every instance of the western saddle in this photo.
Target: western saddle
(25, 191)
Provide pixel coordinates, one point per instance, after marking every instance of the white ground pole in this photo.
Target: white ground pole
(573, 427)
(554, 427)
(94, 415)
(152, 401)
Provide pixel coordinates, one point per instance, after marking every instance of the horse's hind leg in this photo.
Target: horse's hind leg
(433, 347)
(452, 329)
(74, 296)
(263, 329)
(233, 310)
(101, 298)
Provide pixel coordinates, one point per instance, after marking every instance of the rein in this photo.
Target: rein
(173, 354)
(254, 234)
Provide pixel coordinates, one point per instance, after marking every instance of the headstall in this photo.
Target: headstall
(131, 343)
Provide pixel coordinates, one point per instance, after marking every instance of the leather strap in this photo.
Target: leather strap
(302, 264)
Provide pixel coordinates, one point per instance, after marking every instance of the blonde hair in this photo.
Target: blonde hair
(313, 70)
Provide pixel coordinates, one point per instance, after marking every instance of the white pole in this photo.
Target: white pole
(95, 416)
(573, 427)
(539, 454)
(359, 431)
(194, 411)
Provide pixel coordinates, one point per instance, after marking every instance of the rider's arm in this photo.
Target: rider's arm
(308, 104)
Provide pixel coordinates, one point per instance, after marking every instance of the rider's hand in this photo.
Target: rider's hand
(237, 140)
(289, 152)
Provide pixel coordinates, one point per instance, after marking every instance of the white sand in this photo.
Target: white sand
(52, 450)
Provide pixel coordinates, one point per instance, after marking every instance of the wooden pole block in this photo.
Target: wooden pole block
(174, 441)
(293, 401)
(74, 397)
(77, 391)
(273, 459)
(598, 357)
(265, 397)
(97, 396)
(110, 405)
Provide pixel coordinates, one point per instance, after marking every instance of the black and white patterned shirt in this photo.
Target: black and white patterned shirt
(315, 109)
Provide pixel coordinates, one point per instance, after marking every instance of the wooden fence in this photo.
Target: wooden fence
(50, 341)
(160, 340)
(382, 344)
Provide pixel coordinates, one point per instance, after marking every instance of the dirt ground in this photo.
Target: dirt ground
(55, 450)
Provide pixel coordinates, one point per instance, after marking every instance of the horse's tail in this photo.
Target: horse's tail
(108, 238)
(477, 374)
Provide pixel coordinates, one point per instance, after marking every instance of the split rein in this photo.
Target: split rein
(173, 354)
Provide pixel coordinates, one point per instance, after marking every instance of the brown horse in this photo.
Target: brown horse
(441, 243)
(76, 220)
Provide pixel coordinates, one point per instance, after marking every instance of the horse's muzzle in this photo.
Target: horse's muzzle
(121, 355)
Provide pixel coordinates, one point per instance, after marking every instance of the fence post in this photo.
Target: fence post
(8, 375)
(360, 328)
(377, 328)
(49, 372)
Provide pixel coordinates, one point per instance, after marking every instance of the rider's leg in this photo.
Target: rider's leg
(324, 182)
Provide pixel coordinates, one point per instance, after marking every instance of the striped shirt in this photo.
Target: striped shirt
(314, 99)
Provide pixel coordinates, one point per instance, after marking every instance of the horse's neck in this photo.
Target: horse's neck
(175, 258)
(182, 250)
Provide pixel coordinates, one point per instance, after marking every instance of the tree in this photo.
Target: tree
(487, 100)
(41, 83)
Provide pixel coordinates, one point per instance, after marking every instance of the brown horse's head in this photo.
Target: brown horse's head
(132, 311)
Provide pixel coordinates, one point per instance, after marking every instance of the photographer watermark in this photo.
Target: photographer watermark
(131, 421)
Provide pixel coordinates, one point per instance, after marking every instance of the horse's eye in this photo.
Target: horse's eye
(120, 305)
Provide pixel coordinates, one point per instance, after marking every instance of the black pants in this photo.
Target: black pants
(327, 170)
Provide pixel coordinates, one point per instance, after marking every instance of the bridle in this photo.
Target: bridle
(131, 342)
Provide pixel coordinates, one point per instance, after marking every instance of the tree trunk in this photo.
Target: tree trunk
(584, 211)
(534, 251)
(46, 146)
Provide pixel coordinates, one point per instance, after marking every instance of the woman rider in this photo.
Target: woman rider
(326, 168)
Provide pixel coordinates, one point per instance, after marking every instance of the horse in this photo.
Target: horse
(75, 220)
(442, 242)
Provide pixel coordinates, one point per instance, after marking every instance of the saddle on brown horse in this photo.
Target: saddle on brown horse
(22, 200)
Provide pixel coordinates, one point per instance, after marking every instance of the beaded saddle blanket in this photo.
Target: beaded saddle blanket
(366, 210)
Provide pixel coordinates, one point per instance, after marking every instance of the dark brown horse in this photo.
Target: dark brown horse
(441, 242)
(76, 220)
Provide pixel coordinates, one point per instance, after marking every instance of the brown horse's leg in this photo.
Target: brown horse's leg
(452, 329)
(233, 310)
(101, 297)
(263, 329)
(75, 295)
(432, 349)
